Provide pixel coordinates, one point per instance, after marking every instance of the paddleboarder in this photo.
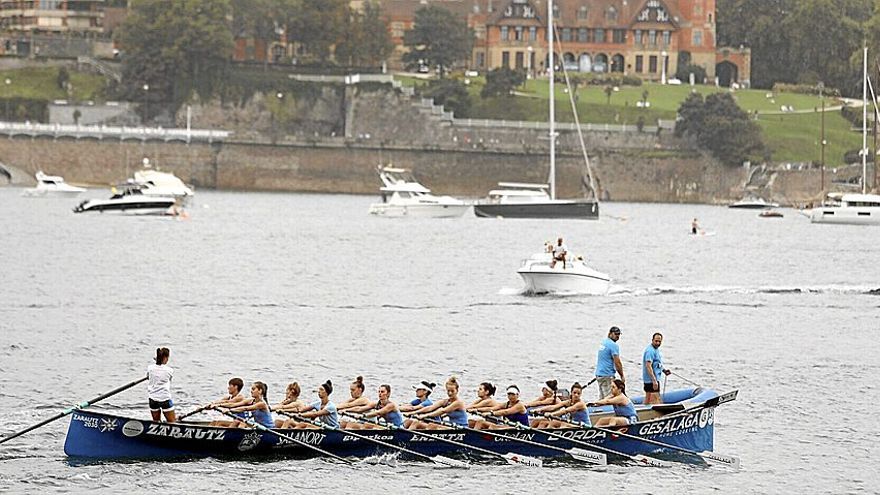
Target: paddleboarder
(607, 362)
(159, 387)
(652, 367)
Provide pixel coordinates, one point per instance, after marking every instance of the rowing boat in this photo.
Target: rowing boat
(686, 421)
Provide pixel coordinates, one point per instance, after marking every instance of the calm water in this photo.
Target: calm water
(278, 287)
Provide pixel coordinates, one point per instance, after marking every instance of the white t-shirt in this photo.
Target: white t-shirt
(159, 386)
(557, 250)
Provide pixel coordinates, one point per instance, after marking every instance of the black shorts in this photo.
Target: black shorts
(165, 405)
(649, 387)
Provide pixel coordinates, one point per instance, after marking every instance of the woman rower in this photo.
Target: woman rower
(290, 403)
(233, 399)
(382, 408)
(514, 410)
(451, 409)
(624, 411)
(572, 410)
(423, 392)
(356, 389)
(159, 387)
(549, 395)
(322, 410)
(485, 401)
(258, 408)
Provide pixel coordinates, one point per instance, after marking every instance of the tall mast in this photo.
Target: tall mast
(552, 100)
(865, 121)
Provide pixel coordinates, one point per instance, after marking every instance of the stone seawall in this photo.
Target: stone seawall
(624, 175)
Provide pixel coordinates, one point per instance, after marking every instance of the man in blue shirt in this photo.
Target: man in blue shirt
(608, 362)
(652, 366)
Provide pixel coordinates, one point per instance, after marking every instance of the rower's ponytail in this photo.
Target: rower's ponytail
(359, 383)
(162, 354)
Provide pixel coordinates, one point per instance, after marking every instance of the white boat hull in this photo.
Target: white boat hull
(849, 215)
(419, 210)
(128, 205)
(564, 281)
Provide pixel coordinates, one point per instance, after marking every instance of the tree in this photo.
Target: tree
(365, 41)
(438, 38)
(256, 19)
(501, 82)
(608, 92)
(317, 24)
(721, 127)
(177, 48)
(450, 93)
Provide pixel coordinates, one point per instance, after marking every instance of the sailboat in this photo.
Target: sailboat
(854, 209)
(519, 200)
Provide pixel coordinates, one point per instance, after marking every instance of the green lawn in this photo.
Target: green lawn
(792, 137)
(41, 83)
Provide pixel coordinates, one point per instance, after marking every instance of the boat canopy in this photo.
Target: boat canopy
(860, 199)
(523, 185)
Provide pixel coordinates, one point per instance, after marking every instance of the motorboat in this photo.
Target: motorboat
(130, 201)
(155, 183)
(516, 200)
(403, 196)
(852, 209)
(752, 203)
(574, 276)
(522, 200)
(770, 214)
(52, 186)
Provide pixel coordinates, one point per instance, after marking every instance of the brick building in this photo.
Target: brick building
(645, 38)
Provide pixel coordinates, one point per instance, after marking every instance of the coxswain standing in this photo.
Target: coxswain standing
(159, 387)
(608, 361)
(652, 366)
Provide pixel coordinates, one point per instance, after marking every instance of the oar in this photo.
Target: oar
(282, 435)
(196, 411)
(511, 458)
(575, 453)
(81, 405)
(440, 460)
(641, 459)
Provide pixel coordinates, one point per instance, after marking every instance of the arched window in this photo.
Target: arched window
(611, 14)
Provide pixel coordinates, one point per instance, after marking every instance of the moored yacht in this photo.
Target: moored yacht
(155, 183)
(574, 276)
(853, 209)
(403, 196)
(751, 203)
(52, 186)
(130, 201)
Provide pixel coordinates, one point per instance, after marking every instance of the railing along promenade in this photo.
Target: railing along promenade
(121, 133)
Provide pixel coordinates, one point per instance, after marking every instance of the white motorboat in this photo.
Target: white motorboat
(751, 203)
(575, 277)
(516, 200)
(52, 186)
(130, 202)
(155, 183)
(403, 196)
(854, 209)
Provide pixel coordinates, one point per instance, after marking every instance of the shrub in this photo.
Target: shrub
(684, 73)
(804, 89)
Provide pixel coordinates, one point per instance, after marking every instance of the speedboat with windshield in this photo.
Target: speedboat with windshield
(130, 201)
(403, 196)
(752, 203)
(541, 276)
(52, 186)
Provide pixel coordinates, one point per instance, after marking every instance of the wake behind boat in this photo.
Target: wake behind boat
(52, 186)
(403, 196)
(685, 423)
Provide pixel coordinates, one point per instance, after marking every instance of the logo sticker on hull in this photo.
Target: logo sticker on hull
(249, 441)
(108, 425)
(132, 428)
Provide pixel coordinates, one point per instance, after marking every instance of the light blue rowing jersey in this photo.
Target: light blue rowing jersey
(605, 361)
(423, 403)
(332, 419)
(653, 355)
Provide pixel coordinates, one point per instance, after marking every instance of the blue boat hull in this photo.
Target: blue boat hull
(96, 435)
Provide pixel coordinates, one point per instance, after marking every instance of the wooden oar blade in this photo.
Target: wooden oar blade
(448, 462)
(523, 460)
(723, 459)
(589, 456)
(651, 461)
